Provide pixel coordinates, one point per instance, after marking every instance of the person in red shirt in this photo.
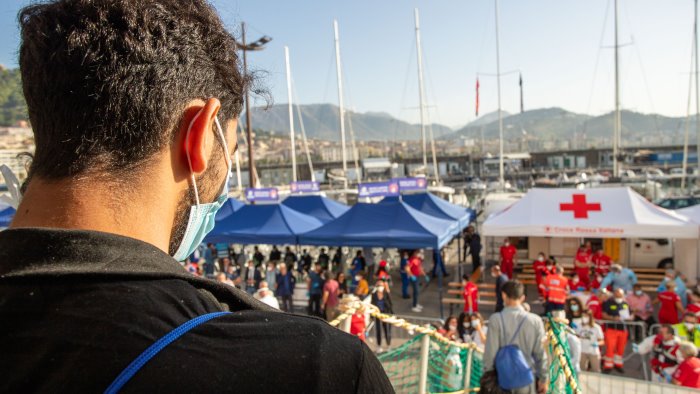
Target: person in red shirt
(508, 252)
(582, 265)
(671, 305)
(358, 323)
(470, 294)
(694, 302)
(557, 289)
(601, 262)
(595, 283)
(540, 268)
(415, 272)
(595, 306)
(576, 284)
(688, 372)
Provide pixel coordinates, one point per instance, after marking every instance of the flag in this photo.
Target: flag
(522, 105)
(477, 97)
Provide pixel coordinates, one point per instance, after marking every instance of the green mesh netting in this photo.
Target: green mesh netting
(446, 367)
(557, 380)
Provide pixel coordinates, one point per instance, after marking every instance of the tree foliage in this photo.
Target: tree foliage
(13, 108)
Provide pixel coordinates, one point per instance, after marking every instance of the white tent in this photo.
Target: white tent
(686, 252)
(692, 213)
(593, 213)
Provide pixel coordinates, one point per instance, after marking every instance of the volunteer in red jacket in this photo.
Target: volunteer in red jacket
(508, 253)
(617, 310)
(557, 289)
(594, 305)
(601, 262)
(688, 372)
(671, 305)
(470, 294)
(540, 268)
(582, 265)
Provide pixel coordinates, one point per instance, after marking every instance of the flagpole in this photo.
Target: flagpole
(501, 177)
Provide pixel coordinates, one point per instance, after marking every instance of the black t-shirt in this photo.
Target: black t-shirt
(76, 307)
(612, 308)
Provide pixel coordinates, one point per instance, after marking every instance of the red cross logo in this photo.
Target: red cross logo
(579, 206)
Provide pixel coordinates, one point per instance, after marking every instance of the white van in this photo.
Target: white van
(651, 253)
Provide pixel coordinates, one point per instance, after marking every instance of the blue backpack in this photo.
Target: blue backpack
(513, 370)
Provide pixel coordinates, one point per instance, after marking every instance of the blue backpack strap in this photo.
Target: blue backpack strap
(154, 349)
(517, 330)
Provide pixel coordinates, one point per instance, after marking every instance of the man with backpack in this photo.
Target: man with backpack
(515, 345)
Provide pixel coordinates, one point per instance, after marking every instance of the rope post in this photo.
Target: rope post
(424, 353)
(468, 371)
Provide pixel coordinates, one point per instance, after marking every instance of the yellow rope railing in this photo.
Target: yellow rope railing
(350, 305)
(559, 353)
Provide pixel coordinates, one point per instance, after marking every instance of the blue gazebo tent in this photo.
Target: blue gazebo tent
(6, 215)
(230, 206)
(438, 207)
(391, 224)
(262, 224)
(320, 207)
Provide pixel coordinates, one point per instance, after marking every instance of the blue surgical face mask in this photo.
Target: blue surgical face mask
(202, 216)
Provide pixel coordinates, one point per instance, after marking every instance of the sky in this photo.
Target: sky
(563, 48)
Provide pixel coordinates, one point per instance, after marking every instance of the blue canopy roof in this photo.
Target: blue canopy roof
(262, 224)
(438, 207)
(391, 224)
(6, 215)
(230, 206)
(320, 207)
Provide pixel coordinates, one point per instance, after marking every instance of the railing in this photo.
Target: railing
(594, 383)
(404, 334)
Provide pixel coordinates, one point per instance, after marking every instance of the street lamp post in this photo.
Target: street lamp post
(254, 46)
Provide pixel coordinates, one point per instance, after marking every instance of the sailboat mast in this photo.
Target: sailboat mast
(291, 115)
(618, 121)
(421, 89)
(501, 176)
(697, 85)
(341, 108)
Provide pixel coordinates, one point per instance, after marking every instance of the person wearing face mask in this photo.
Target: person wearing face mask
(557, 289)
(577, 285)
(449, 329)
(362, 289)
(501, 280)
(382, 300)
(597, 280)
(508, 253)
(591, 335)
(642, 309)
(601, 262)
(688, 329)
(574, 311)
(479, 331)
(619, 278)
(271, 275)
(540, 268)
(664, 350)
(134, 107)
(594, 304)
(679, 285)
(617, 311)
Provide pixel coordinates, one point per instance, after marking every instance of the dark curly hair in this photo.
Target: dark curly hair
(106, 80)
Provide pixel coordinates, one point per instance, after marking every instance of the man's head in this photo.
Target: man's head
(670, 274)
(317, 267)
(466, 278)
(255, 249)
(667, 332)
(637, 288)
(690, 320)
(263, 284)
(283, 269)
(470, 229)
(359, 253)
(495, 270)
(670, 285)
(323, 251)
(513, 293)
(559, 270)
(251, 264)
(616, 268)
(506, 242)
(221, 277)
(540, 257)
(599, 252)
(619, 294)
(687, 350)
(128, 93)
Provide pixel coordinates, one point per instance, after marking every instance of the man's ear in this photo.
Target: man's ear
(198, 123)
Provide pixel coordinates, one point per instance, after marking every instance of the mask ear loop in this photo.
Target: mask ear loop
(229, 164)
(189, 161)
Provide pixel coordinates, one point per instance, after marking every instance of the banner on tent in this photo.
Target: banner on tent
(305, 187)
(411, 184)
(378, 189)
(262, 194)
